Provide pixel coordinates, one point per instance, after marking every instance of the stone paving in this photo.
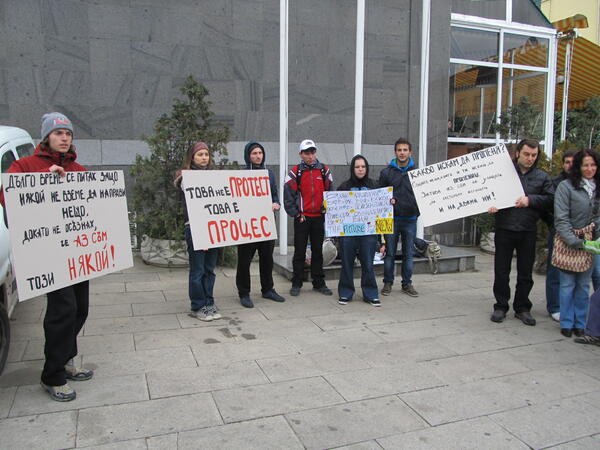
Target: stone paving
(426, 372)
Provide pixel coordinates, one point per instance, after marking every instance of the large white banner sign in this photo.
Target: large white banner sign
(229, 207)
(466, 185)
(359, 213)
(66, 230)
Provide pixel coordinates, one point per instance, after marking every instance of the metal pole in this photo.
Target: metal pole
(283, 117)
(424, 109)
(359, 76)
(565, 99)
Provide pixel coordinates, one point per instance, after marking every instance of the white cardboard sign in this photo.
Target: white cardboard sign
(466, 185)
(229, 207)
(66, 230)
(359, 213)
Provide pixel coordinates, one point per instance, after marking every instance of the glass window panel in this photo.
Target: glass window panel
(491, 9)
(24, 150)
(523, 100)
(7, 159)
(526, 11)
(477, 45)
(472, 101)
(526, 50)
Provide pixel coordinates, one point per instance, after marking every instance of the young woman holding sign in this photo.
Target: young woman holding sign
(67, 308)
(202, 262)
(365, 246)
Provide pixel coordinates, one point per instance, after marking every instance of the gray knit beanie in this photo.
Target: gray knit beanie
(54, 121)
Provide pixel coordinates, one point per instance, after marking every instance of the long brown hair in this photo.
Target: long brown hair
(189, 156)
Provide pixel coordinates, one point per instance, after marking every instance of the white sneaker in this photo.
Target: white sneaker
(555, 316)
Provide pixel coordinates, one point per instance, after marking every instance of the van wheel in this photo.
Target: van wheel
(4, 336)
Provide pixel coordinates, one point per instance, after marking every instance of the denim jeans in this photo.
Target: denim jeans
(574, 298)
(407, 230)
(596, 273)
(365, 246)
(202, 273)
(552, 280)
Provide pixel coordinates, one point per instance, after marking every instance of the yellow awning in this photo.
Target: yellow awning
(585, 73)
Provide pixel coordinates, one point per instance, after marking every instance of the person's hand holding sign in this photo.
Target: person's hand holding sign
(57, 169)
(492, 210)
(276, 206)
(522, 202)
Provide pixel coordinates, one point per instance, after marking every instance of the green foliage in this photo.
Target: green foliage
(520, 121)
(485, 223)
(583, 125)
(157, 203)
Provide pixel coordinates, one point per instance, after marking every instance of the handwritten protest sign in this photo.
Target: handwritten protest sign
(359, 213)
(466, 185)
(66, 230)
(229, 207)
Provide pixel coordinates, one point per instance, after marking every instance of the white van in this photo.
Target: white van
(15, 143)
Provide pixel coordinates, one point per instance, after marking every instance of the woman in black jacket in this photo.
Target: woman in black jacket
(365, 245)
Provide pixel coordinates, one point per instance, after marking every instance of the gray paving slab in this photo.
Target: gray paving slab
(260, 434)
(587, 443)
(419, 329)
(105, 311)
(315, 342)
(32, 314)
(134, 444)
(243, 350)
(353, 319)
(140, 361)
(472, 434)
(16, 351)
(206, 378)
(550, 423)
(366, 445)
(309, 365)
(164, 442)
(394, 353)
(483, 397)
(26, 331)
(130, 324)
(278, 327)
(21, 373)
(87, 345)
(98, 391)
(478, 366)
(126, 297)
(43, 431)
(149, 309)
(345, 424)
(275, 398)
(297, 307)
(106, 288)
(544, 355)
(178, 338)
(115, 423)
(380, 381)
(480, 341)
(6, 399)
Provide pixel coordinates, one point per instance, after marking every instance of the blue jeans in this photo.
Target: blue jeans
(365, 246)
(596, 273)
(552, 280)
(574, 297)
(407, 229)
(202, 273)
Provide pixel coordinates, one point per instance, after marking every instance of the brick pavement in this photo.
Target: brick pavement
(427, 372)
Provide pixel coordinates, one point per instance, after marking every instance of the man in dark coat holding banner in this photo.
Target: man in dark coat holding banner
(516, 229)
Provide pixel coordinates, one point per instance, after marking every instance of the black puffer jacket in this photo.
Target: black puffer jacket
(538, 186)
(392, 175)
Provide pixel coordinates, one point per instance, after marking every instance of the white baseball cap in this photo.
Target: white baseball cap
(307, 144)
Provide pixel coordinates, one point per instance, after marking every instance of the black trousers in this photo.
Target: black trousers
(506, 243)
(66, 312)
(313, 227)
(265, 266)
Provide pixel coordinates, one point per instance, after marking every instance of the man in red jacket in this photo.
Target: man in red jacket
(303, 200)
(67, 308)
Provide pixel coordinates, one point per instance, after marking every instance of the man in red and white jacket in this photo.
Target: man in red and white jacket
(303, 201)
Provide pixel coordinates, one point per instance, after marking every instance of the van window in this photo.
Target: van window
(7, 159)
(24, 150)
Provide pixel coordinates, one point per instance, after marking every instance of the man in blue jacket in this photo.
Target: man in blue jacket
(406, 212)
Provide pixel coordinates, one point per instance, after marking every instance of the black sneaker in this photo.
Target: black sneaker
(272, 295)
(295, 291)
(498, 316)
(323, 290)
(373, 302)
(343, 301)
(526, 318)
(246, 302)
